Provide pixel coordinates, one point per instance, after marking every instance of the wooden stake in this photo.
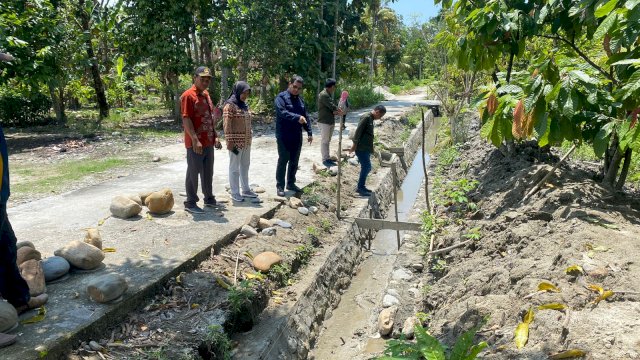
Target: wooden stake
(339, 165)
(544, 179)
(235, 273)
(424, 163)
(447, 249)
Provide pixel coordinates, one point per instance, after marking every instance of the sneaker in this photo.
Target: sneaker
(237, 198)
(212, 203)
(279, 191)
(329, 163)
(194, 209)
(249, 194)
(294, 187)
(367, 189)
(363, 192)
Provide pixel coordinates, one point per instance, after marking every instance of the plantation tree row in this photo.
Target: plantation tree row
(559, 70)
(104, 52)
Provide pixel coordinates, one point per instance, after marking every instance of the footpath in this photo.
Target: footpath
(148, 249)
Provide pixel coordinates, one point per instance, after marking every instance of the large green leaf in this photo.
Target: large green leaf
(605, 26)
(475, 350)
(601, 141)
(464, 344)
(429, 346)
(605, 9)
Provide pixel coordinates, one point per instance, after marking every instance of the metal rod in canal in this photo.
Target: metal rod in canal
(424, 163)
(395, 198)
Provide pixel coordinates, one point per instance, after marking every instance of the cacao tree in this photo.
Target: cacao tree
(577, 75)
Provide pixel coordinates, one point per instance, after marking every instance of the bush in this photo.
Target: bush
(18, 109)
(361, 95)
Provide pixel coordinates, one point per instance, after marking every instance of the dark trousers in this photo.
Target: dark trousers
(12, 286)
(199, 166)
(288, 153)
(364, 157)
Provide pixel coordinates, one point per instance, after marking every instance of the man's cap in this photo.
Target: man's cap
(6, 57)
(203, 71)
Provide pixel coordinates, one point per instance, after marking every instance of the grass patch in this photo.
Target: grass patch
(36, 178)
(583, 152)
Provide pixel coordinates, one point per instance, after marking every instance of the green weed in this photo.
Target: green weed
(473, 234)
(429, 348)
(280, 274)
(326, 225)
(218, 342)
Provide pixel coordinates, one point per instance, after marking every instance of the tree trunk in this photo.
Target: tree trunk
(98, 85)
(374, 22)
(625, 170)
(319, 58)
(243, 67)
(335, 40)
(224, 76)
(612, 171)
(174, 84)
(263, 86)
(58, 103)
(196, 52)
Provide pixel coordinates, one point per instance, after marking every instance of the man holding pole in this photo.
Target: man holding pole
(327, 110)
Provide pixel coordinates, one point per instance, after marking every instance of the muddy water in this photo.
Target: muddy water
(351, 332)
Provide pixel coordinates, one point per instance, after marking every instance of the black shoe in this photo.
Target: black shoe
(279, 191)
(293, 187)
(329, 163)
(363, 192)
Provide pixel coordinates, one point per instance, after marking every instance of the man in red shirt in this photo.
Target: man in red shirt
(199, 138)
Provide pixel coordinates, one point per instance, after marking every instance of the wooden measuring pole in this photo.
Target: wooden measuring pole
(424, 163)
(370, 237)
(339, 164)
(395, 198)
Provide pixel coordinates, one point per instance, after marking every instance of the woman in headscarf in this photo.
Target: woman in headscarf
(237, 132)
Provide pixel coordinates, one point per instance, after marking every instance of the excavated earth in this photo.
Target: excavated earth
(573, 220)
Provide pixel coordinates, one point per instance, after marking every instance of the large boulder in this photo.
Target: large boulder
(385, 320)
(409, 326)
(55, 267)
(27, 253)
(25, 243)
(106, 287)
(295, 203)
(264, 261)
(124, 208)
(81, 255)
(8, 316)
(136, 198)
(33, 274)
(160, 202)
(252, 220)
(93, 237)
(248, 231)
(143, 195)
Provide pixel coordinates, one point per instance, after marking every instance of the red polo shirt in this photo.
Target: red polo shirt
(198, 107)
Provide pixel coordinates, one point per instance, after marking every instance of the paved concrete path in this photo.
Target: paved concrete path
(148, 251)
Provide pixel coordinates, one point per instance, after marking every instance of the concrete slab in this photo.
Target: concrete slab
(148, 251)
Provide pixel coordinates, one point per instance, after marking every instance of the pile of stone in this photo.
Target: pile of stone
(83, 254)
(29, 261)
(127, 206)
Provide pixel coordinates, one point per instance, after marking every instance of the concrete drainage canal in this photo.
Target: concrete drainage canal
(336, 316)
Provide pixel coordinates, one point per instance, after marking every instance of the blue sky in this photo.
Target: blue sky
(407, 8)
